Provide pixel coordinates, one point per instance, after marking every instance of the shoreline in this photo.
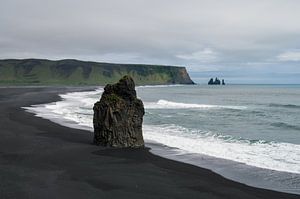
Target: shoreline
(42, 159)
(238, 172)
(259, 177)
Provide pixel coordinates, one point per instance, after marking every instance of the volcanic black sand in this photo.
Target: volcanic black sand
(41, 159)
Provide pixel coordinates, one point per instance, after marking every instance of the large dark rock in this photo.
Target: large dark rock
(216, 82)
(211, 81)
(223, 82)
(118, 116)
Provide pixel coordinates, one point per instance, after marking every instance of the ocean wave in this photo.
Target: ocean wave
(258, 153)
(83, 95)
(75, 110)
(293, 106)
(165, 104)
(161, 86)
(285, 126)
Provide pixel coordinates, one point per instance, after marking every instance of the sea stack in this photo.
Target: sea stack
(223, 82)
(216, 82)
(118, 116)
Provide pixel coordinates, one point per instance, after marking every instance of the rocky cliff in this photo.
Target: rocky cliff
(216, 81)
(118, 116)
(74, 72)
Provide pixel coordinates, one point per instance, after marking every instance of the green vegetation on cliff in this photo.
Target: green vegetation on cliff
(74, 72)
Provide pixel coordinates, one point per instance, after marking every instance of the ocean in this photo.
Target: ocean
(248, 133)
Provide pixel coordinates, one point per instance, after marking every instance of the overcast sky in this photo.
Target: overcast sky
(254, 41)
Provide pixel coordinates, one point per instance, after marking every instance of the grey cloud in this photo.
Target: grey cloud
(168, 32)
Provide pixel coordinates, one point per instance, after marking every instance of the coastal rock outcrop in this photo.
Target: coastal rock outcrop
(118, 116)
(76, 72)
(223, 82)
(216, 82)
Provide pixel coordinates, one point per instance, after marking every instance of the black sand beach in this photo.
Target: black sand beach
(41, 159)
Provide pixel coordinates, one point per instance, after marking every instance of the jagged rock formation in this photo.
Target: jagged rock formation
(223, 82)
(118, 116)
(211, 81)
(216, 81)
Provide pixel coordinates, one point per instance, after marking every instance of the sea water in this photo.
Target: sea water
(248, 133)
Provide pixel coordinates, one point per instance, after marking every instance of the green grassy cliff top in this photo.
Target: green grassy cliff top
(75, 72)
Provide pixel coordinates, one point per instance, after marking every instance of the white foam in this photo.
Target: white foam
(164, 104)
(75, 110)
(274, 156)
(76, 107)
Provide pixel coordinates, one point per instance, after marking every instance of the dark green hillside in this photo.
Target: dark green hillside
(74, 72)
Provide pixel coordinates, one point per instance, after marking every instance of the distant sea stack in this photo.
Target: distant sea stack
(75, 72)
(216, 81)
(118, 116)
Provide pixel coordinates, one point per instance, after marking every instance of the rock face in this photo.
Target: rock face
(118, 116)
(223, 82)
(216, 81)
(76, 72)
(211, 81)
